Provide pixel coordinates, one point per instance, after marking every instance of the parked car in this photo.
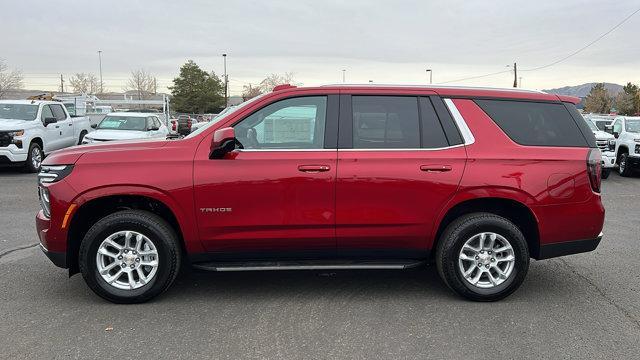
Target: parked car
(626, 130)
(31, 129)
(127, 126)
(477, 181)
(607, 144)
(184, 124)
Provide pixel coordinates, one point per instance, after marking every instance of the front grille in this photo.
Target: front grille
(5, 139)
(603, 144)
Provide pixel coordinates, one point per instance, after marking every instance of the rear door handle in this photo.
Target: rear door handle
(314, 168)
(435, 168)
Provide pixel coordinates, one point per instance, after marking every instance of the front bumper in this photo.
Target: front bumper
(12, 154)
(548, 251)
(608, 159)
(59, 258)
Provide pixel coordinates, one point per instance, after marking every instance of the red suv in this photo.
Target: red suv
(477, 181)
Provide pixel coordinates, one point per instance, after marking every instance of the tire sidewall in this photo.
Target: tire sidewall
(461, 234)
(110, 225)
(29, 164)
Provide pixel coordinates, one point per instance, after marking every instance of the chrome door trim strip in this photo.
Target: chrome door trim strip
(467, 135)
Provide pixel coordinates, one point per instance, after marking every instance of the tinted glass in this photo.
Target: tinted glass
(46, 112)
(617, 126)
(532, 123)
(633, 125)
(296, 123)
(432, 132)
(58, 112)
(123, 123)
(385, 122)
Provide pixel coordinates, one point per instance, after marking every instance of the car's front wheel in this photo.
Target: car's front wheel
(482, 257)
(623, 165)
(129, 256)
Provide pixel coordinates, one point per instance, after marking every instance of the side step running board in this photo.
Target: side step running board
(308, 265)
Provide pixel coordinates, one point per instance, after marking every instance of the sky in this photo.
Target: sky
(382, 41)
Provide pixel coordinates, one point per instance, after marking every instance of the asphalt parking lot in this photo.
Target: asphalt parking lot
(584, 306)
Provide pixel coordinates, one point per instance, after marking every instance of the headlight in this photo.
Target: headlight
(636, 140)
(13, 135)
(43, 196)
(87, 140)
(53, 173)
(16, 133)
(612, 144)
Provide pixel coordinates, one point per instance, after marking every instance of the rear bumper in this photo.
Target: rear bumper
(548, 251)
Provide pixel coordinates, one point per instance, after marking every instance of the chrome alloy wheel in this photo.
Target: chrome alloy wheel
(127, 260)
(486, 260)
(36, 157)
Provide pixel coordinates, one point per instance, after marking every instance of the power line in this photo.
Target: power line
(586, 46)
(476, 77)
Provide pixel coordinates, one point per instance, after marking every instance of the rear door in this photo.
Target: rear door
(275, 197)
(399, 162)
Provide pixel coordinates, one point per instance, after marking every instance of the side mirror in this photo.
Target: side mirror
(94, 126)
(50, 120)
(154, 129)
(615, 134)
(224, 141)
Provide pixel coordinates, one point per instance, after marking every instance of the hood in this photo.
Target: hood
(105, 134)
(72, 154)
(15, 124)
(602, 135)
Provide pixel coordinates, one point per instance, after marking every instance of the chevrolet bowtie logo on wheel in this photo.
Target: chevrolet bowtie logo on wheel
(215, 210)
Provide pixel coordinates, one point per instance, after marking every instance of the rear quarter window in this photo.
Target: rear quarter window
(535, 123)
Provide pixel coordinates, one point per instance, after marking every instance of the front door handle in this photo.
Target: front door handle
(435, 168)
(314, 168)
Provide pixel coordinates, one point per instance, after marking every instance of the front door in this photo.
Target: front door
(398, 165)
(53, 132)
(276, 196)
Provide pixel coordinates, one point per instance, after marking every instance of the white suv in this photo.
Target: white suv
(626, 130)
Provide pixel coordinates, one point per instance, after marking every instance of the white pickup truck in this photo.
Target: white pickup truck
(31, 129)
(626, 130)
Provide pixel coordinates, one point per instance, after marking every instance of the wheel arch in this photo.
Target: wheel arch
(515, 210)
(92, 207)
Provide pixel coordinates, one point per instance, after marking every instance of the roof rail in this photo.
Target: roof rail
(283, 87)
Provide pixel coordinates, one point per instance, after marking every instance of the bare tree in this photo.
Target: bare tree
(274, 80)
(249, 92)
(9, 79)
(143, 83)
(85, 83)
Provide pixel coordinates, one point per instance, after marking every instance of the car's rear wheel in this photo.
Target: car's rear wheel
(82, 135)
(482, 257)
(129, 256)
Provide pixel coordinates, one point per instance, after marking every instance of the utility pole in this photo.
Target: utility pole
(515, 75)
(61, 83)
(100, 62)
(226, 82)
(430, 76)
(343, 75)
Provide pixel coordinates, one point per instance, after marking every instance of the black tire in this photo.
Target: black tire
(623, 165)
(462, 229)
(146, 223)
(29, 166)
(82, 134)
(606, 173)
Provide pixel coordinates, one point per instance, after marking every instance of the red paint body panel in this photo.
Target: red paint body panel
(356, 200)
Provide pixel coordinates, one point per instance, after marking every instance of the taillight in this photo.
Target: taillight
(174, 126)
(594, 168)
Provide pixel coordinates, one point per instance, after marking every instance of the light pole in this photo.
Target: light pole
(100, 62)
(343, 75)
(226, 81)
(430, 76)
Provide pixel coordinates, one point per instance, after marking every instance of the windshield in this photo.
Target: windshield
(18, 111)
(592, 126)
(223, 115)
(633, 126)
(123, 123)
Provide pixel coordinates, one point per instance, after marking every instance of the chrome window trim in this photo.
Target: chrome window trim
(406, 149)
(280, 150)
(466, 133)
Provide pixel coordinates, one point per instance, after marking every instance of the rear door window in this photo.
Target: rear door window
(535, 123)
(385, 122)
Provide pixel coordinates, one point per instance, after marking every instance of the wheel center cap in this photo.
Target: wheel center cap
(484, 259)
(129, 259)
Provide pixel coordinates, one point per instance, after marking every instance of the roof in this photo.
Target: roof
(444, 90)
(130, 114)
(28, 102)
